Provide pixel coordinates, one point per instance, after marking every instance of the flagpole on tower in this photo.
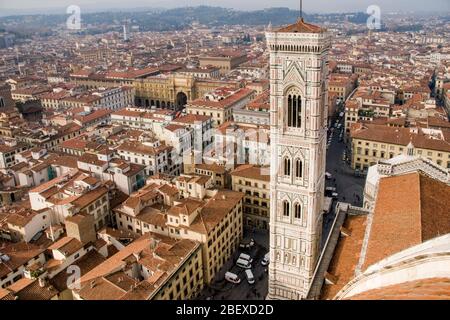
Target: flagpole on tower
(301, 10)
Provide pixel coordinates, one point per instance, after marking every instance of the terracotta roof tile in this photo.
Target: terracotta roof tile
(424, 289)
(409, 210)
(346, 256)
(301, 27)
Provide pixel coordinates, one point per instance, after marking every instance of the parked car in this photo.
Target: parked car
(245, 264)
(244, 256)
(233, 278)
(328, 176)
(265, 261)
(250, 277)
(335, 195)
(329, 191)
(247, 244)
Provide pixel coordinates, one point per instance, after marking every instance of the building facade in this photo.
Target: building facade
(373, 143)
(175, 90)
(298, 81)
(254, 182)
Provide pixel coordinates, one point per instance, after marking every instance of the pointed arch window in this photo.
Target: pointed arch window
(286, 208)
(298, 168)
(287, 167)
(297, 211)
(289, 110)
(294, 111)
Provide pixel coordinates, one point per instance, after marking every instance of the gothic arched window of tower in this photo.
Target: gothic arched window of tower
(294, 110)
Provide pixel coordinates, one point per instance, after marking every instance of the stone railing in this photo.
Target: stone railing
(327, 252)
(418, 164)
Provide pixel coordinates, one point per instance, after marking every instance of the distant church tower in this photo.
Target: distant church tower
(298, 106)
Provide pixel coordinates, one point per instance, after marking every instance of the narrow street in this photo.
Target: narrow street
(221, 289)
(349, 187)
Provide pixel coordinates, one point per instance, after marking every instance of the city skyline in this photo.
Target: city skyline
(320, 6)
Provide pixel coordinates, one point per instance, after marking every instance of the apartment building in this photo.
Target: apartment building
(142, 119)
(225, 60)
(254, 182)
(201, 127)
(8, 150)
(218, 225)
(72, 193)
(241, 144)
(219, 104)
(365, 105)
(342, 85)
(115, 98)
(201, 73)
(15, 257)
(29, 93)
(153, 267)
(219, 174)
(193, 186)
(372, 143)
(52, 100)
(151, 153)
(127, 177)
(216, 221)
(255, 112)
(24, 224)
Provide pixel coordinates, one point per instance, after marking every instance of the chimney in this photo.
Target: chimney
(137, 255)
(153, 243)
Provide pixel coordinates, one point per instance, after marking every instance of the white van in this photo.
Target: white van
(250, 277)
(244, 256)
(231, 277)
(243, 264)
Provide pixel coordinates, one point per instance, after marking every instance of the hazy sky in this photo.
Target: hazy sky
(309, 5)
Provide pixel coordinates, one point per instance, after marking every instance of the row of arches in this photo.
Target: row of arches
(296, 48)
(180, 102)
(295, 209)
(297, 169)
(157, 103)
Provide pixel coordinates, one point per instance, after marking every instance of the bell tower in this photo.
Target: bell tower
(298, 120)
